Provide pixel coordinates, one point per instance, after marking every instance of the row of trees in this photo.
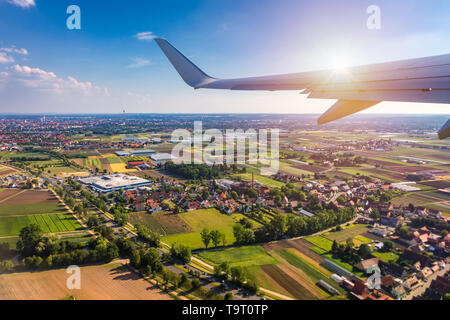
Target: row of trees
(215, 237)
(236, 274)
(198, 171)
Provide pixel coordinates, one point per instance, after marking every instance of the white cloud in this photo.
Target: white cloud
(15, 50)
(139, 62)
(25, 78)
(23, 3)
(4, 58)
(147, 35)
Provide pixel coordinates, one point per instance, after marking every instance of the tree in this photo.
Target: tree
(364, 251)
(29, 237)
(388, 245)
(237, 274)
(216, 237)
(206, 237)
(224, 239)
(6, 266)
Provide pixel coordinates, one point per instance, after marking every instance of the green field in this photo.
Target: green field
(113, 159)
(386, 256)
(49, 223)
(92, 162)
(308, 268)
(200, 219)
(261, 179)
(320, 242)
(346, 233)
(30, 209)
(241, 256)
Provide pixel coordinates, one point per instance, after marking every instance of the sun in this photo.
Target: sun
(340, 64)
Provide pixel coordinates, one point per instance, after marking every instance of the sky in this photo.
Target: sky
(112, 63)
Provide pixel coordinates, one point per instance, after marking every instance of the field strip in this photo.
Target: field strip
(298, 275)
(276, 294)
(12, 196)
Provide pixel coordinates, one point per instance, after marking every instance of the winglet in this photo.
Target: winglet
(190, 73)
(444, 132)
(344, 108)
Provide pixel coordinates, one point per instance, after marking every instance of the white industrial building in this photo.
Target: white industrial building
(114, 182)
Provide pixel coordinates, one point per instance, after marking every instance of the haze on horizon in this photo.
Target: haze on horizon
(112, 64)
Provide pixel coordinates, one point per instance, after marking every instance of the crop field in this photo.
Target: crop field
(198, 220)
(346, 233)
(19, 208)
(261, 179)
(162, 223)
(120, 168)
(242, 256)
(293, 274)
(320, 242)
(92, 161)
(440, 184)
(112, 158)
(49, 223)
(18, 202)
(100, 282)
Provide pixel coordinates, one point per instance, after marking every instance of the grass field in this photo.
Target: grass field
(261, 179)
(30, 209)
(320, 242)
(351, 232)
(49, 223)
(162, 223)
(241, 256)
(386, 256)
(200, 219)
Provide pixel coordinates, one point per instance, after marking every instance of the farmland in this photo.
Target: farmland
(21, 208)
(101, 282)
(199, 219)
(242, 256)
(162, 223)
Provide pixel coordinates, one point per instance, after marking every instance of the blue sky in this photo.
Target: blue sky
(104, 67)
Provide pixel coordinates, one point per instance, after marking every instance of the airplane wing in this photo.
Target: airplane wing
(356, 88)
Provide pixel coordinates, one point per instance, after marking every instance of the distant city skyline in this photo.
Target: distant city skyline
(112, 64)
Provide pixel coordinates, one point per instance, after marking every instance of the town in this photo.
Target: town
(99, 189)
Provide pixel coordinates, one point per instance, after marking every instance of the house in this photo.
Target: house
(153, 206)
(412, 283)
(364, 265)
(398, 292)
(440, 286)
(425, 273)
(391, 221)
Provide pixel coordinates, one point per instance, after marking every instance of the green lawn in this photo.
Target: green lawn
(200, 219)
(30, 209)
(242, 256)
(320, 242)
(261, 179)
(11, 226)
(346, 233)
(386, 256)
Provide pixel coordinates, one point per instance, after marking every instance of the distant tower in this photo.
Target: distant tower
(253, 180)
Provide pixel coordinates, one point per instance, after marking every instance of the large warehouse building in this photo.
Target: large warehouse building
(114, 182)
